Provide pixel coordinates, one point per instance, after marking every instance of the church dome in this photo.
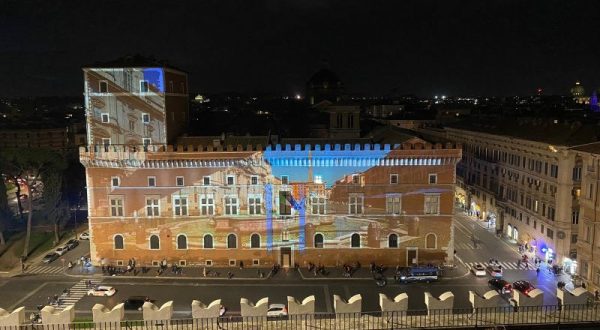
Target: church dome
(577, 90)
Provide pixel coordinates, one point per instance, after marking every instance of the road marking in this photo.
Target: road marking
(327, 299)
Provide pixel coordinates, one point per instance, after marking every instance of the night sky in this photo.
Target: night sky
(421, 47)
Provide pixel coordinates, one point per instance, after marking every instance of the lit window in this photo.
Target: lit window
(180, 205)
(355, 203)
(432, 204)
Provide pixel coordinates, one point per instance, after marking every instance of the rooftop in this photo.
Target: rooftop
(592, 148)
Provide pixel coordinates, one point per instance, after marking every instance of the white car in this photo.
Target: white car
(61, 250)
(479, 270)
(84, 235)
(102, 291)
(277, 310)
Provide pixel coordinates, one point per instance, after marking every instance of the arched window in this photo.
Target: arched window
(208, 241)
(118, 242)
(154, 242)
(182, 242)
(231, 241)
(355, 240)
(319, 241)
(393, 241)
(430, 241)
(255, 241)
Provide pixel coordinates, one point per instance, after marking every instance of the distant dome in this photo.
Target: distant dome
(577, 90)
(325, 77)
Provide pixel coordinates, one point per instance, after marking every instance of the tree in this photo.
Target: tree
(54, 207)
(5, 213)
(27, 166)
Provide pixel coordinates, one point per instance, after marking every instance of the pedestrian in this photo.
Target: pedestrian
(204, 271)
(519, 263)
(537, 270)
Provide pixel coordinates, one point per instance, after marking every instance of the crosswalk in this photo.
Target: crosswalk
(50, 270)
(466, 246)
(505, 265)
(76, 292)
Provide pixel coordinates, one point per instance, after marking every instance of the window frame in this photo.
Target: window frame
(204, 179)
(427, 210)
(100, 82)
(390, 198)
(177, 242)
(355, 204)
(285, 179)
(232, 177)
(115, 242)
(155, 208)
(182, 206)
(145, 118)
(205, 206)
(105, 115)
(177, 178)
(393, 177)
(352, 241)
(153, 178)
(435, 241)
(150, 242)
(434, 176)
(116, 210)
(254, 208)
(235, 241)
(389, 240)
(112, 181)
(253, 235)
(228, 206)
(315, 245)
(147, 86)
(212, 241)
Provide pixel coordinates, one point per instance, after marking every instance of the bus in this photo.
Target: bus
(417, 274)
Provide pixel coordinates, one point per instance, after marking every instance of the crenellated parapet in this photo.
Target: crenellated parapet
(327, 155)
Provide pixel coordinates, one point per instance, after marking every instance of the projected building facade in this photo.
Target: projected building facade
(286, 205)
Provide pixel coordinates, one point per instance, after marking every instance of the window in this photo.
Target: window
(105, 118)
(152, 207)
(230, 180)
(254, 206)
(576, 173)
(206, 180)
(551, 212)
(575, 217)
(146, 142)
(231, 241)
(542, 228)
(392, 204)
(285, 179)
(550, 233)
(179, 181)
(255, 241)
(431, 241)
(154, 242)
(573, 238)
(393, 241)
(180, 205)
(151, 181)
(231, 205)
(103, 86)
(432, 204)
(355, 203)
(355, 240)
(118, 242)
(208, 262)
(285, 235)
(393, 178)
(143, 86)
(171, 89)
(207, 241)
(116, 206)
(114, 181)
(355, 178)
(554, 171)
(317, 205)
(535, 206)
(534, 224)
(145, 118)
(285, 208)
(182, 242)
(433, 178)
(319, 241)
(207, 204)
(254, 180)
(590, 191)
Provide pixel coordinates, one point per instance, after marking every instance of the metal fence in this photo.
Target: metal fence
(455, 318)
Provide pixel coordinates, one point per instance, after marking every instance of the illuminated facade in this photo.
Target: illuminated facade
(325, 204)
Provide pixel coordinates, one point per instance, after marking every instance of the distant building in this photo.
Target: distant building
(384, 110)
(578, 94)
(135, 101)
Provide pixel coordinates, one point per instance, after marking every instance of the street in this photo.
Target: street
(34, 288)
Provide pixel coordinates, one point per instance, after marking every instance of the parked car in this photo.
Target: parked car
(495, 270)
(478, 270)
(84, 236)
(277, 310)
(136, 302)
(61, 250)
(102, 291)
(500, 285)
(50, 257)
(523, 286)
(72, 243)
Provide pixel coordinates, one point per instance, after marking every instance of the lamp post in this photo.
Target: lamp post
(77, 211)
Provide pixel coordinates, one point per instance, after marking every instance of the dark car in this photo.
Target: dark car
(72, 243)
(500, 285)
(50, 257)
(523, 286)
(136, 302)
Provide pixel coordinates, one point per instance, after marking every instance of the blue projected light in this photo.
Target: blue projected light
(154, 76)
